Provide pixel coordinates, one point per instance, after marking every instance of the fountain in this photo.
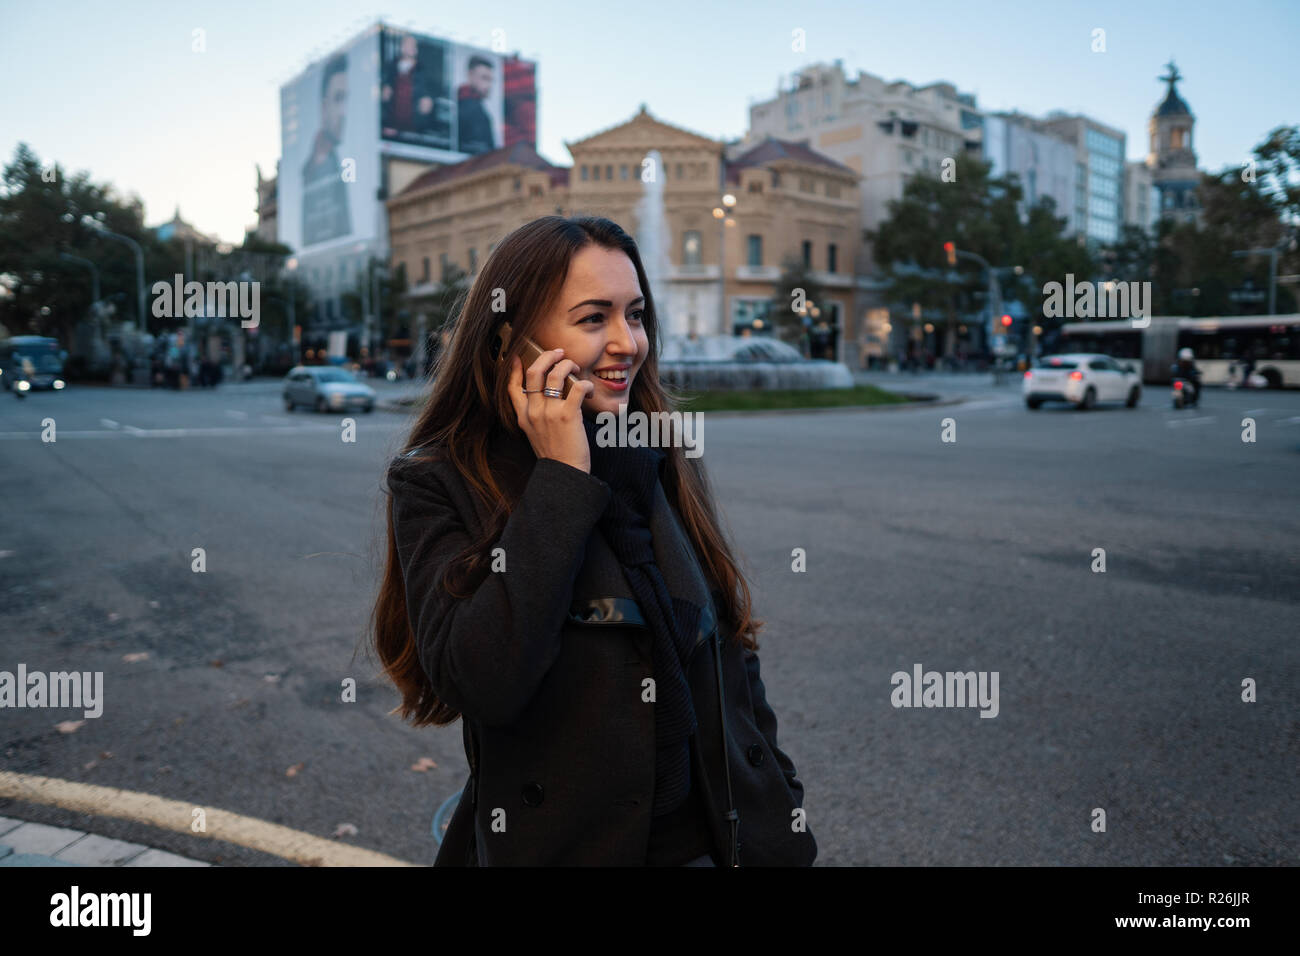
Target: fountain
(719, 361)
(652, 236)
(724, 362)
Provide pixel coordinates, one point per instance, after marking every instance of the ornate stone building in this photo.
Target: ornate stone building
(730, 223)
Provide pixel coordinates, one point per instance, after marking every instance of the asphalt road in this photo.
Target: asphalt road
(1118, 690)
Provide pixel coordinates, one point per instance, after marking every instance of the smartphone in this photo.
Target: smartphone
(501, 345)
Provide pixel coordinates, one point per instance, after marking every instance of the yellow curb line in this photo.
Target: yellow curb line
(281, 841)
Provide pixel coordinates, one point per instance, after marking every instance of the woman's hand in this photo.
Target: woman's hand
(553, 425)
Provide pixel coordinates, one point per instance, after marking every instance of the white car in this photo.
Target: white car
(1083, 378)
(326, 389)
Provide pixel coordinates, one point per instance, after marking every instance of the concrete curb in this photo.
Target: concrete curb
(38, 844)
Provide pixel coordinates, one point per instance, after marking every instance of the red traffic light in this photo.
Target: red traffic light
(1006, 321)
(950, 249)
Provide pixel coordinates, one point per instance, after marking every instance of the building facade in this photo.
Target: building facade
(1141, 201)
(730, 224)
(1044, 162)
(1098, 207)
(884, 131)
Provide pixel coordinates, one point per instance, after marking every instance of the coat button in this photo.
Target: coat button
(755, 754)
(532, 794)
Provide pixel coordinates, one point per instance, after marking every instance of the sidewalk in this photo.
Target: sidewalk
(36, 844)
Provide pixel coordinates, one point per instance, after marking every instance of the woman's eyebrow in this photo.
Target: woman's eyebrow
(605, 303)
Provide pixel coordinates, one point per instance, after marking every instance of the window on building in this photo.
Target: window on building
(755, 186)
(776, 179)
(443, 263)
(473, 261)
(583, 172)
(755, 250)
(807, 254)
(692, 248)
(534, 190)
(424, 269)
(832, 257)
(622, 171)
(595, 172)
(679, 170)
(609, 172)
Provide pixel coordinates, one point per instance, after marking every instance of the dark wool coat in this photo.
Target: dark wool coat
(545, 661)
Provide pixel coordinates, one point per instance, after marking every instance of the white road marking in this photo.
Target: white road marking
(275, 419)
(984, 403)
(236, 414)
(109, 423)
(1189, 421)
(1294, 420)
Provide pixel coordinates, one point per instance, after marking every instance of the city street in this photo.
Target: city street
(1119, 690)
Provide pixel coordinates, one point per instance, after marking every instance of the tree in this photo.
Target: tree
(980, 214)
(41, 215)
(795, 286)
(1191, 266)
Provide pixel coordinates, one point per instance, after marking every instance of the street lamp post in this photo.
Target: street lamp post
(721, 214)
(99, 227)
(94, 276)
(1272, 252)
(995, 290)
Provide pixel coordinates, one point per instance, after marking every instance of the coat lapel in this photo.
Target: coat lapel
(601, 575)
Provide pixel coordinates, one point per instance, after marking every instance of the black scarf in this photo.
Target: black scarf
(633, 474)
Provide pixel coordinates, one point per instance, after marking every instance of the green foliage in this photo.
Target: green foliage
(981, 214)
(789, 324)
(1192, 267)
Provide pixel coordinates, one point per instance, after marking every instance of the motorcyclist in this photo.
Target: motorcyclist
(1185, 368)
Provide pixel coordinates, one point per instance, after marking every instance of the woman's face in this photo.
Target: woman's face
(598, 320)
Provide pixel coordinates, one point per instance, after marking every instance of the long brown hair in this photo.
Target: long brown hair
(523, 276)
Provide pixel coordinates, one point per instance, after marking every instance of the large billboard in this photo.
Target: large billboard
(387, 93)
(448, 96)
(329, 165)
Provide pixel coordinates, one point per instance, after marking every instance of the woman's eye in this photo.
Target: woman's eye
(639, 315)
(597, 316)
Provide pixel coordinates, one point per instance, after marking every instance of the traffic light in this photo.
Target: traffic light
(950, 248)
(1006, 321)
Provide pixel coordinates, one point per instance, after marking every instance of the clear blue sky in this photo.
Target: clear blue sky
(114, 87)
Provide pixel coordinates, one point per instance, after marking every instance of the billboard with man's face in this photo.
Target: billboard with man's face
(448, 96)
(329, 170)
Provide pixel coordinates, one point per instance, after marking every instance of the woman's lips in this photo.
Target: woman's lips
(613, 386)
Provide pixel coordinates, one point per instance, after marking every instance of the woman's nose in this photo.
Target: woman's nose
(620, 336)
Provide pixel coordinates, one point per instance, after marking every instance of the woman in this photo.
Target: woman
(576, 605)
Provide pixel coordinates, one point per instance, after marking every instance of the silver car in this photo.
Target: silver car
(326, 389)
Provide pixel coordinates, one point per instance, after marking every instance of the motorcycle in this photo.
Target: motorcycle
(1185, 393)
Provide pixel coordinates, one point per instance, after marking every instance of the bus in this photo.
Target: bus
(1221, 345)
(43, 353)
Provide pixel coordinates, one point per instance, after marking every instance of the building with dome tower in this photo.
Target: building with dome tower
(1171, 158)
